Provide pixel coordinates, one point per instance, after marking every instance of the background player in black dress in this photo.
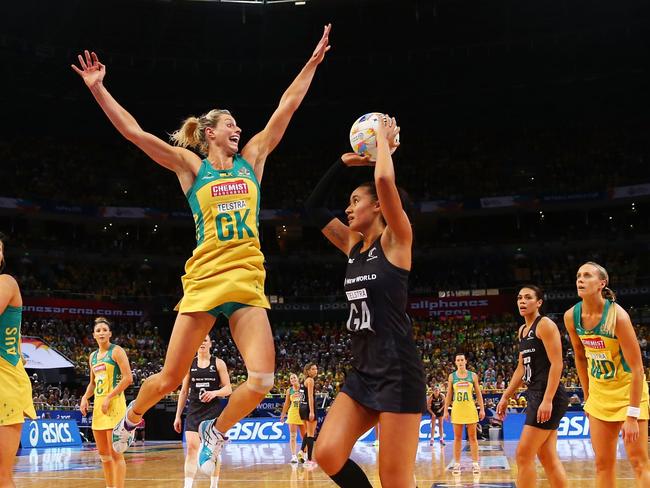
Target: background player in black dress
(205, 384)
(308, 410)
(540, 368)
(436, 408)
(386, 381)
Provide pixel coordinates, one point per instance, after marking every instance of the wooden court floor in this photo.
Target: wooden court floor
(266, 465)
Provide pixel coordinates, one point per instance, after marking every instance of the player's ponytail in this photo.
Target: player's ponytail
(609, 294)
(189, 135)
(192, 133)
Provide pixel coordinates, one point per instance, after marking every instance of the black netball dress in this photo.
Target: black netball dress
(386, 373)
(536, 369)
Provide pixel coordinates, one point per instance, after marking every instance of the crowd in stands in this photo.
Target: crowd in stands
(141, 341)
(489, 344)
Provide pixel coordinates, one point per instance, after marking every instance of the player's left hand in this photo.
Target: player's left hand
(323, 46)
(481, 414)
(387, 129)
(630, 430)
(312, 417)
(544, 411)
(105, 404)
(208, 396)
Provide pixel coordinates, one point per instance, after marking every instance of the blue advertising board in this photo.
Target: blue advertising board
(574, 425)
(50, 433)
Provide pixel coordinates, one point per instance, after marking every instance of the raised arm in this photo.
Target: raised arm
(578, 352)
(180, 160)
(632, 353)
(320, 216)
(399, 235)
(261, 145)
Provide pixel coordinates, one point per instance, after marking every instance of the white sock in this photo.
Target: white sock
(214, 481)
(190, 472)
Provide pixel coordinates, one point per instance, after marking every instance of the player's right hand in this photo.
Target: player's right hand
(502, 407)
(353, 159)
(177, 425)
(83, 406)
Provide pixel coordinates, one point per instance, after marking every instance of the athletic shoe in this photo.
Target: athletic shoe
(301, 457)
(431, 442)
(123, 438)
(310, 464)
(456, 469)
(442, 442)
(476, 468)
(211, 444)
(294, 459)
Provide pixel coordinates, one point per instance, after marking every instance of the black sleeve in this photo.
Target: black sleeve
(316, 209)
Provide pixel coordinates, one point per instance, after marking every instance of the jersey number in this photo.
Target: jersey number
(227, 228)
(602, 369)
(462, 396)
(99, 386)
(528, 371)
(359, 320)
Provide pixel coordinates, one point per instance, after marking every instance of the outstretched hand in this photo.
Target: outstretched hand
(92, 71)
(354, 159)
(323, 45)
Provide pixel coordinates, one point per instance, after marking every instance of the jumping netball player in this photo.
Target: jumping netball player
(308, 409)
(206, 383)
(610, 368)
(110, 375)
(15, 386)
(539, 368)
(436, 408)
(293, 399)
(225, 275)
(461, 388)
(386, 381)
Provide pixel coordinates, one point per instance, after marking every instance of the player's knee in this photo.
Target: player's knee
(260, 382)
(168, 382)
(605, 463)
(524, 456)
(105, 458)
(293, 436)
(116, 456)
(639, 462)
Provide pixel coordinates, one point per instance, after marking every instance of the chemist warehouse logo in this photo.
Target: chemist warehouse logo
(238, 187)
(593, 342)
(256, 431)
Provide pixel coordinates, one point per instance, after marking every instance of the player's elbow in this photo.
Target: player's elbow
(227, 390)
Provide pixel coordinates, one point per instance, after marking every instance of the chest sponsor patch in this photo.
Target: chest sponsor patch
(99, 368)
(463, 384)
(237, 187)
(593, 342)
(230, 206)
(356, 294)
